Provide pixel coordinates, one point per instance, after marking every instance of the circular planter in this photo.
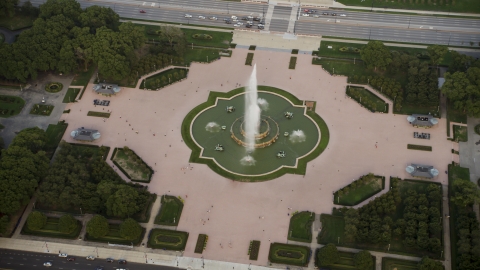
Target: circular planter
(53, 87)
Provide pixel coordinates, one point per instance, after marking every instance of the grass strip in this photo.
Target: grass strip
(252, 48)
(170, 211)
(54, 135)
(164, 78)
(249, 59)
(295, 51)
(82, 78)
(293, 62)
(300, 228)
(419, 147)
(71, 95)
(98, 114)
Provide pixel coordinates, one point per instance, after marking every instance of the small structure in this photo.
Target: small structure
(219, 147)
(421, 171)
(420, 120)
(289, 115)
(281, 154)
(230, 109)
(106, 89)
(85, 134)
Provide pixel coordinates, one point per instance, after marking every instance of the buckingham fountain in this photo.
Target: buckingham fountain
(254, 133)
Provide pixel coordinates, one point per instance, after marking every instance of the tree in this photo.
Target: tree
(436, 53)
(4, 224)
(363, 260)
(95, 17)
(7, 7)
(67, 223)
(32, 138)
(36, 220)
(463, 89)
(328, 255)
(171, 34)
(465, 193)
(97, 226)
(428, 264)
(130, 229)
(123, 203)
(375, 54)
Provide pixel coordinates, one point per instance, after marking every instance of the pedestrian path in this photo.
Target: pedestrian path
(268, 17)
(293, 19)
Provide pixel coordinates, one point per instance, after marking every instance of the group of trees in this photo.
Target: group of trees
(329, 255)
(22, 166)
(86, 181)
(419, 228)
(152, 62)
(98, 227)
(359, 182)
(463, 89)
(37, 220)
(64, 37)
(422, 86)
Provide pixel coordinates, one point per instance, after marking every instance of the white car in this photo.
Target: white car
(316, 16)
(63, 255)
(188, 16)
(305, 15)
(234, 17)
(234, 20)
(47, 264)
(201, 17)
(343, 15)
(213, 18)
(237, 25)
(90, 258)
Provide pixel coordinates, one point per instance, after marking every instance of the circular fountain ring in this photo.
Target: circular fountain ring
(260, 136)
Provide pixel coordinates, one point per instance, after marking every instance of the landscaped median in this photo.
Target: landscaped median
(359, 190)
(71, 95)
(98, 114)
(167, 239)
(253, 250)
(132, 165)
(249, 59)
(201, 243)
(293, 62)
(289, 254)
(170, 211)
(40, 109)
(419, 147)
(367, 99)
(300, 228)
(164, 78)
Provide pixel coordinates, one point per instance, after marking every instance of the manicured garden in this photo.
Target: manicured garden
(333, 228)
(10, 105)
(41, 109)
(346, 261)
(253, 250)
(114, 236)
(71, 95)
(367, 99)
(53, 87)
(98, 114)
(132, 165)
(359, 190)
(300, 228)
(460, 133)
(54, 136)
(164, 78)
(289, 254)
(52, 227)
(419, 147)
(167, 239)
(200, 55)
(397, 264)
(170, 211)
(293, 62)
(249, 59)
(201, 243)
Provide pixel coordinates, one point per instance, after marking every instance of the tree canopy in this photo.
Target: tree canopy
(97, 226)
(36, 220)
(463, 89)
(7, 7)
(428, 264)
(436, 53)
(363, 260)
(328, 255)
(465, 192)
(376, 55)
(130, 229)
(67, 223)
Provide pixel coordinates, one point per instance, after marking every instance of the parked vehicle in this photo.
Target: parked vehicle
(213, 18)
(343, 15)
(122, 261)
(325, 13)
(334, 14)
(257, 19)
(228, 22)
(143, 11)
(201, 17)
(244, 18)
(110, 260)
(47, 264)
(63, 255)
(90, 258)
(305, 15)
(188, 16)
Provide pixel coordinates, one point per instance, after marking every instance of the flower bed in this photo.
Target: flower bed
(419, 147)
(253, 250)
(249, 59)
(40, 109)
(167, 239)
(53, 87)
(289, 254)
(201, 243)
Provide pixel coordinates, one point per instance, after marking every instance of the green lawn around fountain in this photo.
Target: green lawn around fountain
(268, 165)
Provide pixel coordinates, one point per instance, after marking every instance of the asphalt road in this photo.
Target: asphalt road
(364, 25)
(23, 260)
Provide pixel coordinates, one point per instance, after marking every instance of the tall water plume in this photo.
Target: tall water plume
(252, 112)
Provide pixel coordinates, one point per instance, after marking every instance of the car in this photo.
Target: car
(143, 11)
(90, 258)
(122, 261)
(305, 15)
(99, 268)
(237, 25)
(70, 258)
(110, 260)
(325, 13)
(201, 17)
(234, 17)
(248, 25)
(334, 14)
(188, 16)
(257, 19)
(305, 10)
(213, 18)
(343, 15)
(228, 22)
(244, 18)
(63, 255)
(316, 16)
(249, 22)
(47, 264)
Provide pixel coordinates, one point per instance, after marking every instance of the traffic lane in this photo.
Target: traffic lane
(25, 260)
(404, 35)
(278, 25)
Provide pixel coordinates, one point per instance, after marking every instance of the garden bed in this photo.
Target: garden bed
(113, 237)
(164, 78)
(170, 211)
(367, 99)
(460, 133)
(300, 228)
(289, 254)
(253, 250)
(40, 109)
(293, 62)
(167, 239)
(51, 230)
(419, 147)
(201, 243)
(249, 59)
(132, 165)
(98, 114)
(53, 87)
(359, 190)
(10, 105)
(252, 48)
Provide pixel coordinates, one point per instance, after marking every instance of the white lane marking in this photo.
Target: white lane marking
(153, 4)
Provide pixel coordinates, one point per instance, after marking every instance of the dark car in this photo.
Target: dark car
(248, 25)
(110, 260)
(325, 13)
(257, 19)
(122, 262)
(143, 11)
(244, 19)
(334, 14)
(99, 268)
(70, 259)
(228, 22)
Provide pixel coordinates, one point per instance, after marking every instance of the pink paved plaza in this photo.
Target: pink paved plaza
(227, 211)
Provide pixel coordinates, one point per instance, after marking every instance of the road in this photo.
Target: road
(23, 260)
(365, 25)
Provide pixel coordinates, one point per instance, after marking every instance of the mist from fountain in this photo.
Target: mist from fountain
(297, 136)
(212, 127)
(263, 104)
(248, 161)
(252, 112)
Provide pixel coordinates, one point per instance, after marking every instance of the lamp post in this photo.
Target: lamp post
(81, 211)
